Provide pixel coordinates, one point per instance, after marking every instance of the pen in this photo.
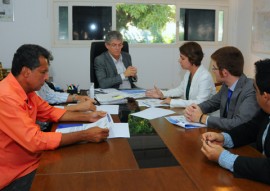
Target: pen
(97, 102)
(109, 119)
(147, 104)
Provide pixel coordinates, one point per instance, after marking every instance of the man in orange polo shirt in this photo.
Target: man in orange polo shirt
(22, 141)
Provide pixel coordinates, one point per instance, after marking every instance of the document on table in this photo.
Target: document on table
(111, 98)
(134, 93)
(116, 129)
(105, 122)
(119, 130)
(181, 121)
(111, 109)
(151, 103)
(152, 113)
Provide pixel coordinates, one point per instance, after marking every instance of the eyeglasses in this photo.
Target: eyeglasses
(214, 68)
(116, 45)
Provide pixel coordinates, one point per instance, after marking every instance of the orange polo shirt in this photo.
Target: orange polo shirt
(21, 140)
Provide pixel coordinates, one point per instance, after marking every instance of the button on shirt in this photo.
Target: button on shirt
(120, 70)
(21, 139)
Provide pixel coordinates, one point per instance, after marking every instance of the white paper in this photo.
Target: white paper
(105, 122)
(152, 113)
(116, 129)
(119, 130)
(151, 103)
(111, 98)
(111, 109)
(134, 93)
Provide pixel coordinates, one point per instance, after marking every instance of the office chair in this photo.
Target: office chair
(98, 47)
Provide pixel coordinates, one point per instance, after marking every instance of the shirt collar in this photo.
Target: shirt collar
(16, 85)
(114, 60)
(233, 86)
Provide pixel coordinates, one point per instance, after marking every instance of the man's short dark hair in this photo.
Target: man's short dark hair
(193, 51)
(28, 55)
(113, 35)
(262, 75)
(229, 58)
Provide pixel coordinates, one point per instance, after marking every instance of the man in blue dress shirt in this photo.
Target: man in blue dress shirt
(85, 103)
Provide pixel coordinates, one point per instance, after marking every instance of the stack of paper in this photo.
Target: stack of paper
(111, 98)
(115, 129)
(152, 113)
(181, 121)
(134, 93)
(105, 122)
(151, 103)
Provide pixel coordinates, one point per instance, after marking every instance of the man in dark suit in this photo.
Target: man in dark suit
(236, 99)
(113, 68)
(256, 129)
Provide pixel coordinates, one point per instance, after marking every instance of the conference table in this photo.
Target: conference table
(111, 165)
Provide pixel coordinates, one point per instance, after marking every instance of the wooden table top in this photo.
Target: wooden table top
(111, 165)
(86, 157)
(185, 145)
(158, 179)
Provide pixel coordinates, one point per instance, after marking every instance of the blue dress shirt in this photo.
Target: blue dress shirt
(226, 158)
(52, 96)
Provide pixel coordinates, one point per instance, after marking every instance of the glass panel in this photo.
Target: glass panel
(146, 23)
(91, 22)
(148, 148)
(63, 23)
(197, 25)
(220, 25)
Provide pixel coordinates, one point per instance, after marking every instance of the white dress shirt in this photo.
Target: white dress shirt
(202, 88)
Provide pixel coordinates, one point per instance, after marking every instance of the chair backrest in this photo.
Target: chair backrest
(98, 47)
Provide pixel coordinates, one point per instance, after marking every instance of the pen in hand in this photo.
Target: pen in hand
(97, 102)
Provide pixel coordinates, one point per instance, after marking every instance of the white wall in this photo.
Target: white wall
(156, 65)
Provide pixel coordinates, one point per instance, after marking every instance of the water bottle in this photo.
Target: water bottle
(92, 90)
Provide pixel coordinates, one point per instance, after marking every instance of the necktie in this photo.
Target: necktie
(188, 87)
(230, 92)
(264, 136)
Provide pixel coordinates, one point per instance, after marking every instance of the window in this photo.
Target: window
(79, 22)
(197, 24)
(200, 25)
(146, 23)
(91, 22)
(63, 23)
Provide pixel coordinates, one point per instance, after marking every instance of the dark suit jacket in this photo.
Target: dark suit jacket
(243, 105)
(253, 168)
(106, 71)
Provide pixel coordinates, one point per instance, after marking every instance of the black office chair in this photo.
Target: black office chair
(98, 47)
